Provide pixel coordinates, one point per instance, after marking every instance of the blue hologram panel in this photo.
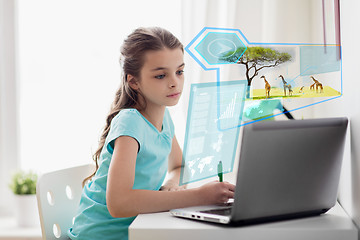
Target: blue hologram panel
(212, 128)
(318, 59)
(262, 109)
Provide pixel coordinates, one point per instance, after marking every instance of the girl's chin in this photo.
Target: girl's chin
(172, 103)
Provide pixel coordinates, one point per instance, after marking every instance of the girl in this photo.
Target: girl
(138, 145)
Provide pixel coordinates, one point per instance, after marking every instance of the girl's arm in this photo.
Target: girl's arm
(123, 201)
(174, 168)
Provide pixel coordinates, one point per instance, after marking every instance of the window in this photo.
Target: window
(69, 72)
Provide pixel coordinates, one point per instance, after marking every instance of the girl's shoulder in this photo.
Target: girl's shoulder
(127, 119)
(127, 115)
(127, 122)
(132, 120)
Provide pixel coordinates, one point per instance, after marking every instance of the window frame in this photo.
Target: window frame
(9, 157)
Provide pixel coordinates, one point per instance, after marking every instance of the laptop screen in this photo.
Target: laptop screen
(289, 167)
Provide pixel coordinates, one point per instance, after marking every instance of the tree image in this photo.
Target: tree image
(255, 59)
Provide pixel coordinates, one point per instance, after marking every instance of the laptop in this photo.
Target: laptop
(287, 169)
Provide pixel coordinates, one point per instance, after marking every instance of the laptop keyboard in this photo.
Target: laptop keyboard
(228, 204)
(222, 211)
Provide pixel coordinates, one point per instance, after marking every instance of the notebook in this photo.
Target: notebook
(287, 169)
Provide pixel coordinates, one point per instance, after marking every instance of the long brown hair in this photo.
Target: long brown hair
(133, 49)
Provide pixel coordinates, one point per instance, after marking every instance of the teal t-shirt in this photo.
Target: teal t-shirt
(93, 220)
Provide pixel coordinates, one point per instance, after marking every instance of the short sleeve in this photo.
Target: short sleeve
(126, 123)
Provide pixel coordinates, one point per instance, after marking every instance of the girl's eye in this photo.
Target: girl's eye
(161, 76)
(180, 72)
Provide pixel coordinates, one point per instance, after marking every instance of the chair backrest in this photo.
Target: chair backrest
(58, 195)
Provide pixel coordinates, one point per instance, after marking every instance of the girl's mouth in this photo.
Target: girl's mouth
(174, 95)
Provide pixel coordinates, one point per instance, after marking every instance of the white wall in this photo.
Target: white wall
(348, 105)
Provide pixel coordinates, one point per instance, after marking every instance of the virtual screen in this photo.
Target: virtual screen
(274, 79)
(211, 136)
(276, 73)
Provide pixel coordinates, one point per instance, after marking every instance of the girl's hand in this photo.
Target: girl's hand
(172, 186)
(216, 192)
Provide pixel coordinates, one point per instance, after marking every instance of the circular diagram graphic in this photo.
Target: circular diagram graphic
(219, 47)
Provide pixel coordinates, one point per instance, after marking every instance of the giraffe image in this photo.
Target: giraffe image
(267, 87)
(317, 85)
(286, 86)
(301, 89)
(312, 86)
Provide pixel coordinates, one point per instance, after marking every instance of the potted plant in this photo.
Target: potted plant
(23, 185)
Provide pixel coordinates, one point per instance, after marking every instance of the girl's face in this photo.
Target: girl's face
(161, 78)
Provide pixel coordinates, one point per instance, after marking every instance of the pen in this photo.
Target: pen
(220, 171)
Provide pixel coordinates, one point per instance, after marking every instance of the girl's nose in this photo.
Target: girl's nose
(173, 82)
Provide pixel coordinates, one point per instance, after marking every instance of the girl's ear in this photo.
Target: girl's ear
(133, 83)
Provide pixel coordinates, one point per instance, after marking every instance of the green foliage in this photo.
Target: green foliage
(257, 55)
(262, 55)
(23, 183)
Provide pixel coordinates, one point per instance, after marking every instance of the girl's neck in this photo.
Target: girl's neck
(155, 116)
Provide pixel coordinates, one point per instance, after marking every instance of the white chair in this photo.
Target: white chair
(58, 195)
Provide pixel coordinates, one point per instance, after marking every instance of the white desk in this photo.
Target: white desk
(334, 225)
